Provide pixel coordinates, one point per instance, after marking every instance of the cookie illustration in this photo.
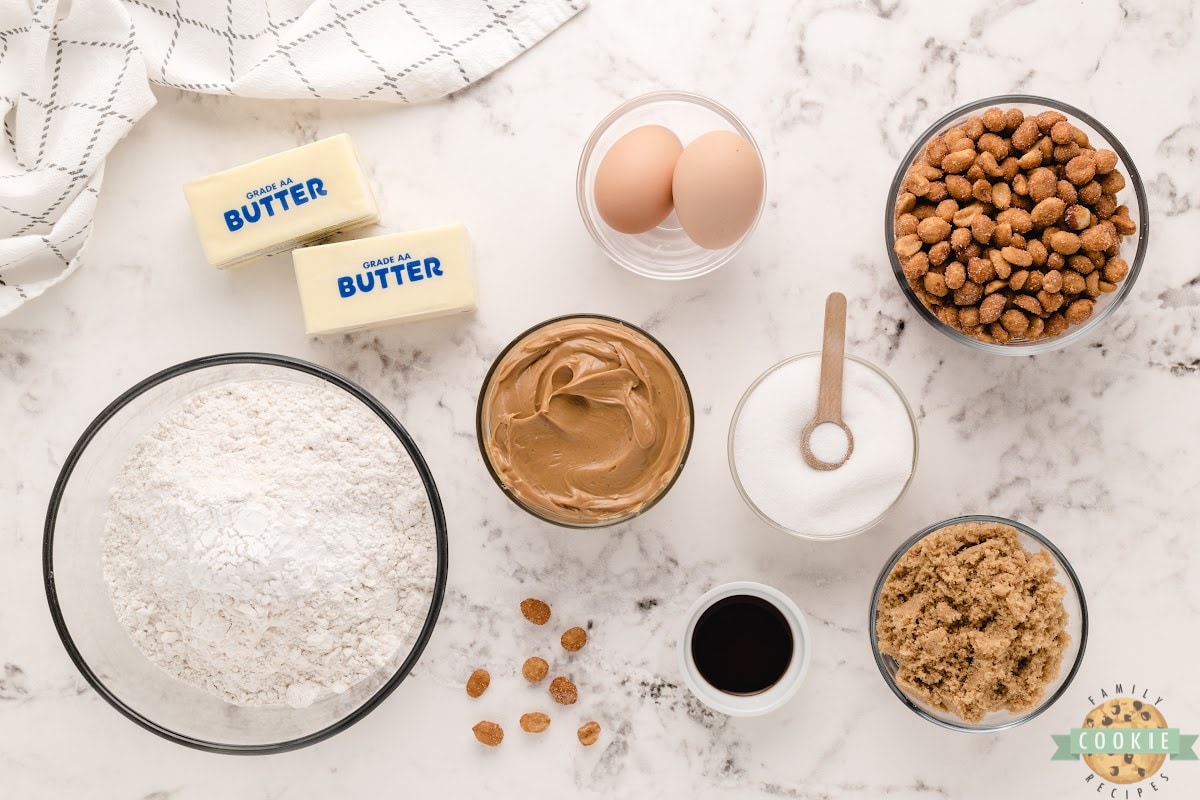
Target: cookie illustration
(1125, 712)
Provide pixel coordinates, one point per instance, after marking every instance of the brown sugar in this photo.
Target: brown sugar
(975, 623)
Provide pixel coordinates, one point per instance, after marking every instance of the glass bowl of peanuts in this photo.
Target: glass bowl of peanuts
(1016, 224)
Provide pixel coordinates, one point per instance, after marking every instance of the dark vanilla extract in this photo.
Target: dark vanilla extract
(742, 645)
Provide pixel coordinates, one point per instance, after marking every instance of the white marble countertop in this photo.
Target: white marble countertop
(1093, 445)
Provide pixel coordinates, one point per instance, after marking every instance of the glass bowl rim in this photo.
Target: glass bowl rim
(487, 462)
(737, 481)
(1071, 335)
(273, 360)
(1060, 559)
(607, 122)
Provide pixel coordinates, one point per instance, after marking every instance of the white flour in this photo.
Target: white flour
(270, 542)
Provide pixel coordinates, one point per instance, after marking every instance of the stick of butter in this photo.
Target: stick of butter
(397, 277)
(281, 201)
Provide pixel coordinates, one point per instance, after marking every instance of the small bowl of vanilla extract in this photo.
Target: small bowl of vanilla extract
(744, 649)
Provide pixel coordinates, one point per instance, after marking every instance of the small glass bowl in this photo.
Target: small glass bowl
(102, 648)
(664, 252)
(483, 433)
(1133, 248)
(1077, 627)
(812, 535)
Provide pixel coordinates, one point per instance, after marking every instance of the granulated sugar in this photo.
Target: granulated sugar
(770, 462)
(270, 542)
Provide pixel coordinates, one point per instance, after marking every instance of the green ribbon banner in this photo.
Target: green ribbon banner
(1124, 740)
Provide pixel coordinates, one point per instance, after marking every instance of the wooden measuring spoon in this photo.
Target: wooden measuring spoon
(829, 395)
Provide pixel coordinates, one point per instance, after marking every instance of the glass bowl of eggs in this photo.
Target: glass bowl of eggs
(671, 185)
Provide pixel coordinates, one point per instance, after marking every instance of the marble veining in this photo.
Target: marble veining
(1092, 445)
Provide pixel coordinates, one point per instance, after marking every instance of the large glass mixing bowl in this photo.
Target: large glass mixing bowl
(99, 644)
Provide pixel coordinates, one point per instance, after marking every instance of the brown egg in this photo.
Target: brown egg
(718, 189)
(633, 183)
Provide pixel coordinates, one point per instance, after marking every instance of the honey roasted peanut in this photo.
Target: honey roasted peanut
(589, 733)
(537, 611)
(957, 161)
(489, 733)
(1078, 217)
(534, 722)
(535, 669)
(1105, 161)
(932, 230)
(907, 246)
(1079, 311)
(574, 639)
(1014, 322)
(1016, 256)
(1047, 212)
(968, 294)
(1023, 231)
(1052, 281)
(955, 276)
(563, 691)
(1115, 270)
(478, 683)
(991, 308)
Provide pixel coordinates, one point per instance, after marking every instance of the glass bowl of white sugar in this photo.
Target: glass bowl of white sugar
(767, 459)
(245, 553)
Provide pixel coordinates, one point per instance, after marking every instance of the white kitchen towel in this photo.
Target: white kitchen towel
(74, 79)
(72, 83)
(400, 50)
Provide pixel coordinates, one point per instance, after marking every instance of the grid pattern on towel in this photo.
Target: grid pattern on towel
(404, 51)
(70, 90)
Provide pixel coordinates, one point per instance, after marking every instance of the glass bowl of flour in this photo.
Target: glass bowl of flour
(245, 553)
(767, 460)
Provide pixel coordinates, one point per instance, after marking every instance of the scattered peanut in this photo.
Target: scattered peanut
(534, 722)
(573, 639)
(537, 611)
(563, 691)
(535, 669)
(488, 733)
(589, 733)
(478, 683)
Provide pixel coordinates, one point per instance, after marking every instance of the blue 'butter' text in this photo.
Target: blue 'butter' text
(413, 271)
(298, 194)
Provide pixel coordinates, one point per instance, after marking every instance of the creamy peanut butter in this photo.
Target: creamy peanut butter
(585, 420)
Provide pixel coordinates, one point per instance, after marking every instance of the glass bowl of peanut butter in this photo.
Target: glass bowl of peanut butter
(585, 421)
